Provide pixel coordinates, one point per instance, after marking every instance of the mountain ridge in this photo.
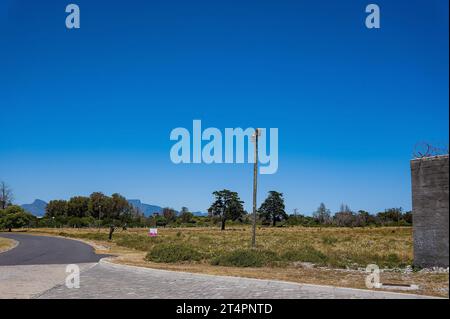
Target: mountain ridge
(37, 208)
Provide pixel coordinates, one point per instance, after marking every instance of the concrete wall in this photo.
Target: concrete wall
(430, 195)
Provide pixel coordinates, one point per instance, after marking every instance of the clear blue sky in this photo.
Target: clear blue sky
(92, 109)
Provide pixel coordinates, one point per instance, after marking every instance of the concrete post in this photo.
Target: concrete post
(430, 201)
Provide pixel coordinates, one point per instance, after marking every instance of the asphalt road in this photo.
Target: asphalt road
(43, 250)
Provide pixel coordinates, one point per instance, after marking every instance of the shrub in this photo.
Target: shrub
(245, 258)
(172, 253)
(143, 243)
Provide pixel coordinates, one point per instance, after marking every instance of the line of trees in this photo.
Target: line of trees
(345, 217)
(97, 209)
(113, 211)
(228, 206)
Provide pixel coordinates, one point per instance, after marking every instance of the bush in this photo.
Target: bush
(306, 254)
(172, 253)
(143, 243)
(245, 258)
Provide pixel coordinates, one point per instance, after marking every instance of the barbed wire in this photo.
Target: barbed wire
(425, 149)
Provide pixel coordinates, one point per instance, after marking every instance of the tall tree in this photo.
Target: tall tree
(6, 195)
(272, 209)
(122, 210)
(363, 218)
(227, 205)
(390, 216)
(345, 217)
(169, 214)
(322, 215)
(100, 205)
(185, 215)
(77, 206)
(56, 208)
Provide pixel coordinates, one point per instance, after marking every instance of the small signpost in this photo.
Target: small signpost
(153, 232)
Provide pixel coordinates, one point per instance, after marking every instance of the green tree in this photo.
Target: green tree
(100, 205)
(185, 215)
(408, 217)
(390, 216)
(122, 210)
(56, 208)
(77, 206)
(15, 217)
(272, 209)
(159, 220)
(227, 206)
(169, 214)
(363, 218)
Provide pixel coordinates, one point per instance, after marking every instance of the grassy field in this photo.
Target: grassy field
(327, 256)
(332, 247)
(5, 244)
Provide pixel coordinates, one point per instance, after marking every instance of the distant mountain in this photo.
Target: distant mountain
(146, 209)
(149, 210)
(37, 208)
(200, 214)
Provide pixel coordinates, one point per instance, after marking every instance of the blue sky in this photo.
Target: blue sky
(92, 109)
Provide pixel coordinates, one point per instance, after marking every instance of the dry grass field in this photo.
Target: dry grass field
(5, 244)
(333, 247)
(329, 256)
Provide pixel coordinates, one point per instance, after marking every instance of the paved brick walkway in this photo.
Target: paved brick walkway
(107, 280)
(29, 281)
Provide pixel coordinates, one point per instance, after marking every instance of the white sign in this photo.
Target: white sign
(153, 232)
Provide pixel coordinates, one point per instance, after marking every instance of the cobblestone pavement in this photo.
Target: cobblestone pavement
(106, 280)
(32, 280)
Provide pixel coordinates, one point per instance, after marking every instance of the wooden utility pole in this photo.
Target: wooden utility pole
(99, 215)
(255, 184)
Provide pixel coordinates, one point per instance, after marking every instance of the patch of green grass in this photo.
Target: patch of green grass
(172, 253)
(305, 254)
